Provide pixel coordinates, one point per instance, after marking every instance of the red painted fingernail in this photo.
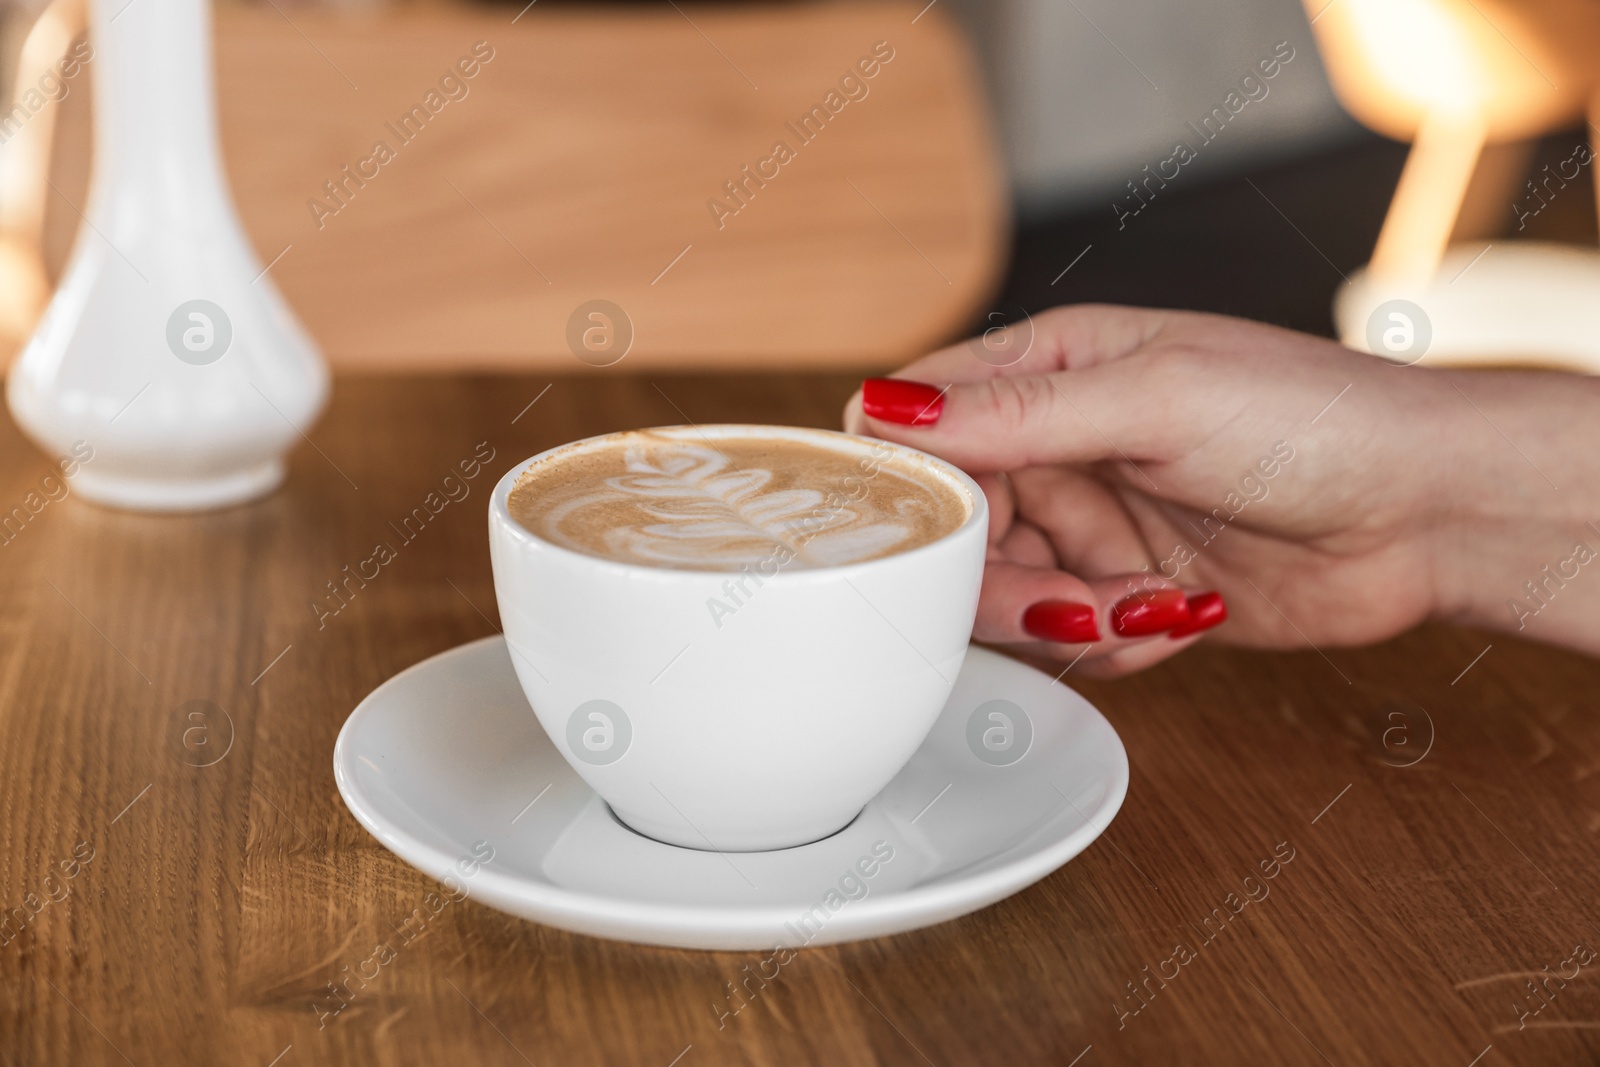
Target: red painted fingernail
(1149, 613)
(905, 402)
(1062, 621)
(1205, 611)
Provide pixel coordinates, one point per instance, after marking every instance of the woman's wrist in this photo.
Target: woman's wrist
(1517, 548)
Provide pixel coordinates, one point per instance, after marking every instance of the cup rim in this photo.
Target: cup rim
(978, 513)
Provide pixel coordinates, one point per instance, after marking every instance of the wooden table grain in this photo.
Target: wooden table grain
(182, 883)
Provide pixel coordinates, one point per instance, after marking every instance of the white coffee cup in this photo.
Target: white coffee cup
(761, 728)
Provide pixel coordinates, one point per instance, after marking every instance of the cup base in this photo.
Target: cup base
(178, 494)
(674, 836)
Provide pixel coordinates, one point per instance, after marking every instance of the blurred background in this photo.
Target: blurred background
(1011, 155)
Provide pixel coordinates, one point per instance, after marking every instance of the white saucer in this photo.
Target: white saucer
(447, 766)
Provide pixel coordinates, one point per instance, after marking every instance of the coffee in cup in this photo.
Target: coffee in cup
(666, 500)
(737, 635)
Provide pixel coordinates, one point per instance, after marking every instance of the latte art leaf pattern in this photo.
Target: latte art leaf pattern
(710, 511)
(712, 506)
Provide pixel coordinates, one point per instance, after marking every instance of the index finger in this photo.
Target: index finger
(1063, 338)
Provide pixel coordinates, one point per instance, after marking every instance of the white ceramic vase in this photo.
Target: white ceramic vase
(166, 349)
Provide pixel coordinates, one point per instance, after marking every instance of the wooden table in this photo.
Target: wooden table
(1440, 801)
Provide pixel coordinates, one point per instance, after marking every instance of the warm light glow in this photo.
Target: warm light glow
(1419, 48)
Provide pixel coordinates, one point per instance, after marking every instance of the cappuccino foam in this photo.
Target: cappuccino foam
(681, 500)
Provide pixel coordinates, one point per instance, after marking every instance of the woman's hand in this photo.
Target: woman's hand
(1307, 494)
